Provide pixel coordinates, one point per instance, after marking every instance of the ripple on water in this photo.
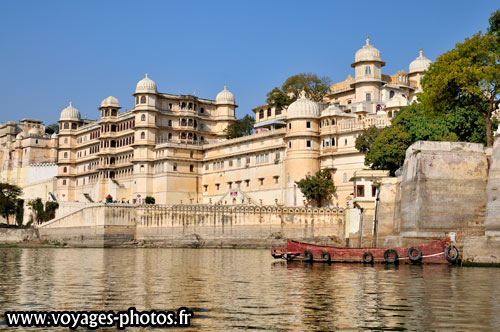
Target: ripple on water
(248, 290)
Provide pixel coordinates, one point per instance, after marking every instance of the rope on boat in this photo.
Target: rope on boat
(439, 253)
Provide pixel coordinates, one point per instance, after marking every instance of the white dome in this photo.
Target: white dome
(20, 135)
(110, 102)
(367, 53)
(334, 110)
(146, 85)
(397, 101)
(302, 108)
(224, 97)
(70, 113)
(420, 64)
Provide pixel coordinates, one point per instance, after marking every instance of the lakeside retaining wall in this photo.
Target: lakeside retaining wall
(105, 225)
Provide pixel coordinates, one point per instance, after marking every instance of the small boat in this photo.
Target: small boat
(437, 252)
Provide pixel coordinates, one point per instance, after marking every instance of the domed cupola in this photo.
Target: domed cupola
(70, 114)
(146, 85)
(110, 102)
(225, 97)
(367, 53)
(420, 64)
(302, 108)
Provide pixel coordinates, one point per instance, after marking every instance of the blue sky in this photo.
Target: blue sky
(53, 52)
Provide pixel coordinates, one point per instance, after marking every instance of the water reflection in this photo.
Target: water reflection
(246, 289)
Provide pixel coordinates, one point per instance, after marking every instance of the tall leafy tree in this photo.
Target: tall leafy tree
(315, 87)
(388, 149)
(9, 197)
(241, 127)
(468, 75)
(318, 187)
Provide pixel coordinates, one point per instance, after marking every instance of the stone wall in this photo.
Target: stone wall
(445, 187)
(17, 235)
(195, 225)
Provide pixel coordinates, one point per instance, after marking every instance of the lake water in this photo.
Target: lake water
(231, 290)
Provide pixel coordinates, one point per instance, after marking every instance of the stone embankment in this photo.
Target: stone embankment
(237, 226)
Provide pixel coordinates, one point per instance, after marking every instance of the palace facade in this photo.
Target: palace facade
(173, 147)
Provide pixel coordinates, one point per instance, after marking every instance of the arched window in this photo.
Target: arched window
(64, 182)
(113, 127)
(191, 168)
(65, 170)
(170, 123)
(368, 70)
(190, 106)
(183, 122)
(113, 144)
(326, 123)
(169, 136)
(202, 139)
(333, 141)
(391, 94)
(195, 137)
(65, 155)
(183, 135)
(195, 124)
(66, 125)
(190, 136)
(143, 117)
(113, 112)
(269, 112)
(202, 110)
(143, 99)
(190, 122)
(143, 135)
(261, 114)
(73, 126)
(183, 106)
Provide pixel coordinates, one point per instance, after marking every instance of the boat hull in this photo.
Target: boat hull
(435, 252)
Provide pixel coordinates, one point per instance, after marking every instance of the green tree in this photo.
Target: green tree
(150, 200)
(468, 75)
(52, 128)
(494, 21)
(50, 210)
(388, 149)
(9, 197)
(37, 208)
(242, 127)
(315, 87)
(318, 187)
(364, 141)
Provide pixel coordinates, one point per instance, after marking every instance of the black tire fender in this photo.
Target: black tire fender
(412, 257)
(308, 256)
(326, 257)
(391, 260)
(368, 258)
(452, 258)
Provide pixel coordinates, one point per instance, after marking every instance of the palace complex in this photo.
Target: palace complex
(173, 147)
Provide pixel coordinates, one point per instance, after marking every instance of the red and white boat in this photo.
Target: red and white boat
(436, 252)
